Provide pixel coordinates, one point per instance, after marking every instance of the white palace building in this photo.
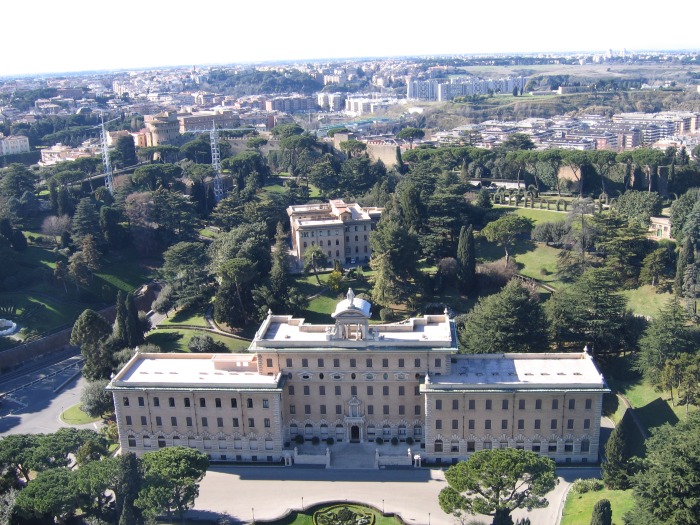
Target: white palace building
(357, 382)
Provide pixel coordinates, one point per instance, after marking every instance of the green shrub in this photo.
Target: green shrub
(581, 486)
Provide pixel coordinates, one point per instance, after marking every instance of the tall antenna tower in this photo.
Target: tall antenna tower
(109, 179)
(216, 162)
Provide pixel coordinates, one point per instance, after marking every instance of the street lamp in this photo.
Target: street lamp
(382, 506)
(428, 518)
(302, 503)
(253, 515)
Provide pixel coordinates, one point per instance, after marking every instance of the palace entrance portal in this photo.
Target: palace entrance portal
(354, 434)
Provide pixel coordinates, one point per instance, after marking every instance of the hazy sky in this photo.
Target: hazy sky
(75, 35)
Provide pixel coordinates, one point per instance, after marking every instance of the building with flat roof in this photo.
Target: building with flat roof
(352, 381)
(341, 230)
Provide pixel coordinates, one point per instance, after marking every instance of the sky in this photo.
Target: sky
(78, 35)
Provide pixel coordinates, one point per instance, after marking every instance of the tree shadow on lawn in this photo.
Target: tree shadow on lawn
(489, 251)
(656, 413)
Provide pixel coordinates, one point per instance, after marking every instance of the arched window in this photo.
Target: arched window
(536, 445)
(268, 444)
(438, 445)
(308, 430)
(293, 429)
(370, 432)
(402, 431)
(161, 441)
(585, 445)
(253, 444)
(324, 431)
(386, 430)
(417, 431)
(454, 445)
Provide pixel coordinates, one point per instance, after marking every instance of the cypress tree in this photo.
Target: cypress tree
(134, 336)
(617, 456)
(119, 327)
(685, 257)
(602, 513)
(466, 260)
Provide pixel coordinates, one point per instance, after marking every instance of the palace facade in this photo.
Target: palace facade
(353, 381)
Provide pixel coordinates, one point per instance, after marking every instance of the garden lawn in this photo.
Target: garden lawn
(578, 508)
(645, 301)
(535, 214)
(176, 340)
(75, 416)
(188, 316)
(39, 314)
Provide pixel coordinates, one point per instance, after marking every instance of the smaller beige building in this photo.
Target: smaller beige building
(659, 228)
(13, 144)
(341, 230)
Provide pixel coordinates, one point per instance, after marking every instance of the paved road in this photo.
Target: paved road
(413, 493)
(34, 407)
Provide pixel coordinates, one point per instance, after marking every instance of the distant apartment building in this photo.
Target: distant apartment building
(61, 153)
(657, 126)
(13, 144)
(341, 230)
(444, 90)
(200, 120)
(291, 104)
(331, 101)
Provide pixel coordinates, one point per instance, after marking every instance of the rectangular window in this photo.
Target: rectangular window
(217, 402)
(249, 402)
(125, 401)
(504, 424)
(292, 409)
(289, 363)
(132, 441)
(569, 424)
(385, 409)
(416, 363)
(323, 409)
(538, 424)
(220, 422)
(487, 424)
(338, 409)
(251, 422)
(552, 446)
(307, 390)
(337, 390)
(438, 404)
(538, 404)
(370, 410)
(304, 363)
(159, 421)
(336, 363)
(234, 402)
(438, 363)
(536, 446)
(401, 363)
(438, 424)
(488, 404)
(171, 402)
(586, 424)
(472, 423)
(402, 410)
(472, 404)
(385, 363)
(266, 403)
(521, 424)
(471, 446)
(521, 404)
(416, 410)
(455, 424)
(353, 390)
(553, 424)
(156, 401)
(385, 390)
(488, 445)
(235, 422)
(128, 420)
(205, 422)
(173, 421)
(321, 390)
(320, 363)
(267, 422)
(268, 361)
(353, 363)
(202, 402)
(370, 390)
(188, 421)
(144, 421)
(504, 404)
(291, 390)
(402, 390)
(141, 402)
(369, 363)
(555, 404)
(416, 390)
(572, 404)
(455, 404)
(589, 404)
